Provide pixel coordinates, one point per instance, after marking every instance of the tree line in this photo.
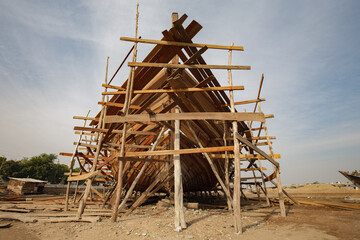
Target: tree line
(42, 167)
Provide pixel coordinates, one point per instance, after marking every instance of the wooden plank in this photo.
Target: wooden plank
(253, 169)
(230, 116)
(182, 151)
(189, 66)
(246, 102)
(113, 86)
(181, 44)
(114, 131)
(262, 138)
(119, 105)
(85, 118)
(180, 90)
(83, 176)
(257, 156)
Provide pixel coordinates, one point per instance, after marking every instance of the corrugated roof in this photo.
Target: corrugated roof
(28, 180)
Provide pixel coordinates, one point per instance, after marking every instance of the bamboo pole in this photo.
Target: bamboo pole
(127, 103)
(99, 139)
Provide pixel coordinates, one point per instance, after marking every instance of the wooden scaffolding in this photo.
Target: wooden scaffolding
(171, 127)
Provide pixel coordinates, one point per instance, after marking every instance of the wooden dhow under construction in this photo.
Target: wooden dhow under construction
(171, 128)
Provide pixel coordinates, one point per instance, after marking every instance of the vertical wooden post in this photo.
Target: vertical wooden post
(71, 166)
(237, 178)
(278, 180)
(178, 192)
(227, 180)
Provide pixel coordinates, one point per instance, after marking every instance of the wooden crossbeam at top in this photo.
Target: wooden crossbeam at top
(182, 44)
(180, 90)
(196, 66)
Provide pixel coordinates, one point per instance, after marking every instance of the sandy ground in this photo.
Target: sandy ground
(259, 222)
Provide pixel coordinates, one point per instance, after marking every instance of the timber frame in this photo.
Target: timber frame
(171, 127)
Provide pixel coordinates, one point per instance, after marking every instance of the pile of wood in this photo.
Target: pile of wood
(171, 128)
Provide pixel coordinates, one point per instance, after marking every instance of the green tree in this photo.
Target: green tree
(40, 167)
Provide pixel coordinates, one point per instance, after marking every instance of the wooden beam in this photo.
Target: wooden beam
(113, 87)
(182, 151)
(190, 66)
(246, 102)
(258, 156)
(230, 116)
(181, 44)
(83, 176)
(114, 131)
(86, 118)
(120, 105)
(253, 169)
(181, 90)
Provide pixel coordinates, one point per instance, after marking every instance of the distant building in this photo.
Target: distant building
(26, 185)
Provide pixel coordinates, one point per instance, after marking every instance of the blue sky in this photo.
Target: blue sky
(53, 55)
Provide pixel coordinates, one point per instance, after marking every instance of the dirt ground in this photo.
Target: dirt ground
(259, 222)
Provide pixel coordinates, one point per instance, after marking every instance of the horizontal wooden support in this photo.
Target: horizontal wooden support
(190, 66)
(257, 156)
(83, 176)
(182, 44)
(113, 87)
(269, 116)
(85, 118)
(133, 159)
(86, 133)
(182, 151)
(114, 131)
(253, 169)
(246, 102)
(262, 138)
(252, 138)
(186, 116)
(180, 90)
(119, 105)
(72, 174)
